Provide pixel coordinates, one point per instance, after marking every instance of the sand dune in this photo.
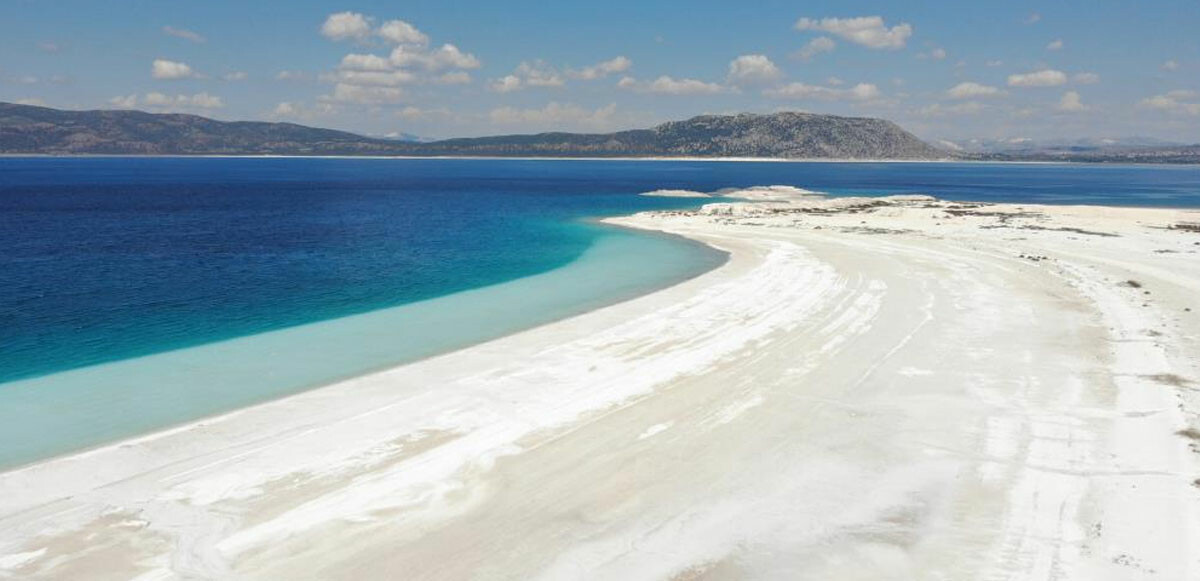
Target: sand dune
(869, 389)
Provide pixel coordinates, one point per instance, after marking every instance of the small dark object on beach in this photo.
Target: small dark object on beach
(1132, 284)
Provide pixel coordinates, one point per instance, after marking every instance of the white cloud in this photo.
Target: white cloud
(802, 91)
(235, 76)
(401, 32)
(555, 116)
(1173, 102)
(365, 94)
(1071, 103)
(1170, 66)
(376, 80)
(411, 113)
(34, 101)
(835, 82)
(971, 90)
(293, 110)
(1033, 18)
(1085, 78)
(124, 102)
(937, 54)
(1056, 44)
(292, 76)
(1043, 78)
(868, 31)
(666, 85)
(49, 47)
(602, 69)
(528, 74)
(370, 78)
(453, 78)
(345, 26)
(364, 62)
(752, 68)
(957, 109)
(171, 70)
(161, 101)
(506, 84)
(995, 63)
(183, 33)
(815, 47)
(448, 56)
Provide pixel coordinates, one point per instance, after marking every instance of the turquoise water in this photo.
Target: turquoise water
(57, 413)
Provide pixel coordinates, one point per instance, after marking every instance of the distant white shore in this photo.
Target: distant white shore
(646, 159)
(869, 388)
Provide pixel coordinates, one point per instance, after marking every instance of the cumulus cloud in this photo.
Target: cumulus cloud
(183, 33)
(124, 102)
(1085, 78)
(1170, 66)
(365, 94)
(1071, 103)
(815, 47)
(969, 90)
(164, 102)
(802, 91)
(447, 56)
(1180, 102)
(370, 78)
(868, 31)
(412, 113)
(752, 68)
(602, 69)
(292, 76)
(294, 110)
(937, 54)
(555, 115)
(666, 85)
(401, 32)
(1042, 78)
(235, 76)
(528, 74)
(453, 78)
(1033, 18)
(171, 70)
(346, 26)
(377, 79)
(1056, 44)
(957, 109)
(364, 62)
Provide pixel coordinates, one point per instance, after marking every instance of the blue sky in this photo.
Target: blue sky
(946, 70)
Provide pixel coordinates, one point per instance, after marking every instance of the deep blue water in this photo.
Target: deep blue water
(108, 258)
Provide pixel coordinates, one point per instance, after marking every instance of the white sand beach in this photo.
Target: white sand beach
(897, 388)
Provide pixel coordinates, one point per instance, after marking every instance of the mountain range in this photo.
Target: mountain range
(27, 129)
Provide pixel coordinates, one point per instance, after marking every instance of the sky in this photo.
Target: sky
(945, 70)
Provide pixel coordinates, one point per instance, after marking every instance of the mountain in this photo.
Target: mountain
(41, 130)
(28, 129)
(778, 135)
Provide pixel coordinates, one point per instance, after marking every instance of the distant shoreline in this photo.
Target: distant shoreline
(560, 158)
